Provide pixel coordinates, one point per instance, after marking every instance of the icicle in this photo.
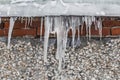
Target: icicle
(19, 18)
(64, 43)
(59, 35)
(94, 21)
(26, 22)
(73, 31)
(78, 34)
(41, 28)
(79, 22)
(12, 21)
(65, 28)
(82, 24)
(88, 21)
(46, 37)
(22, 18)
(78, 40)
(66, 23)
(31, 21)
(0, 20)
(58, 41)
(99, 24)
(51, 25)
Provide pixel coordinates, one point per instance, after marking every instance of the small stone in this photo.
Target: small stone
(93, 79)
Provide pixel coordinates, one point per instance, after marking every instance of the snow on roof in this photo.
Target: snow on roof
(59, 7)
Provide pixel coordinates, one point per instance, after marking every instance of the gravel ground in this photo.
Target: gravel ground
(93, 60)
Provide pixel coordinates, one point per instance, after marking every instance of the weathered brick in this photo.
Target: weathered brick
(6, 32)
(2, 32)
(31, 32)
(115, 30)
(111, 23)
(6, 25)
(21, 32)
(19, 24)
(19, 28)
(18, 32)
(23, 24)
(35, 24)
(105, 31)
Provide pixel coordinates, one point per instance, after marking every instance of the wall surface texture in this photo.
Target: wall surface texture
(111, 27)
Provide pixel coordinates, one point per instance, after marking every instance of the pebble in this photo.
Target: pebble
(95, 61)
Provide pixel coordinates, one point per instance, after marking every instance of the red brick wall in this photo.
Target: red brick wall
(110, 28)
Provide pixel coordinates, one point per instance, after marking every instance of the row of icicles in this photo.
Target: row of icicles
(61, 25)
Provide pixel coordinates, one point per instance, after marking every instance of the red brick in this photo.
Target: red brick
(107, 26)
(35, 24)
(105, 31)
(14, 33)
(2, 32)
(115, 31)
(6, 25)
(19, 24)
(82, 31)
(18, 32)
(111, 23)
(6, 32)
(31, 32)
(21, 32)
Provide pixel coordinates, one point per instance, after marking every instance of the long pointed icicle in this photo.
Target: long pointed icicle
(73, 31)
(65, 35)
(58, 38)
(22, 19)
(41, 28)
(65, 27)
(12, 21)
(31, 20)
(46, 37)
(60, 34)
(79, 22)
(26, 22)
(82, 24)
(64, 42)
(57, 30)
(0, 20)
(59, 49)
(99, 24)
(95, 22)
(90, 23)
(86, 22)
